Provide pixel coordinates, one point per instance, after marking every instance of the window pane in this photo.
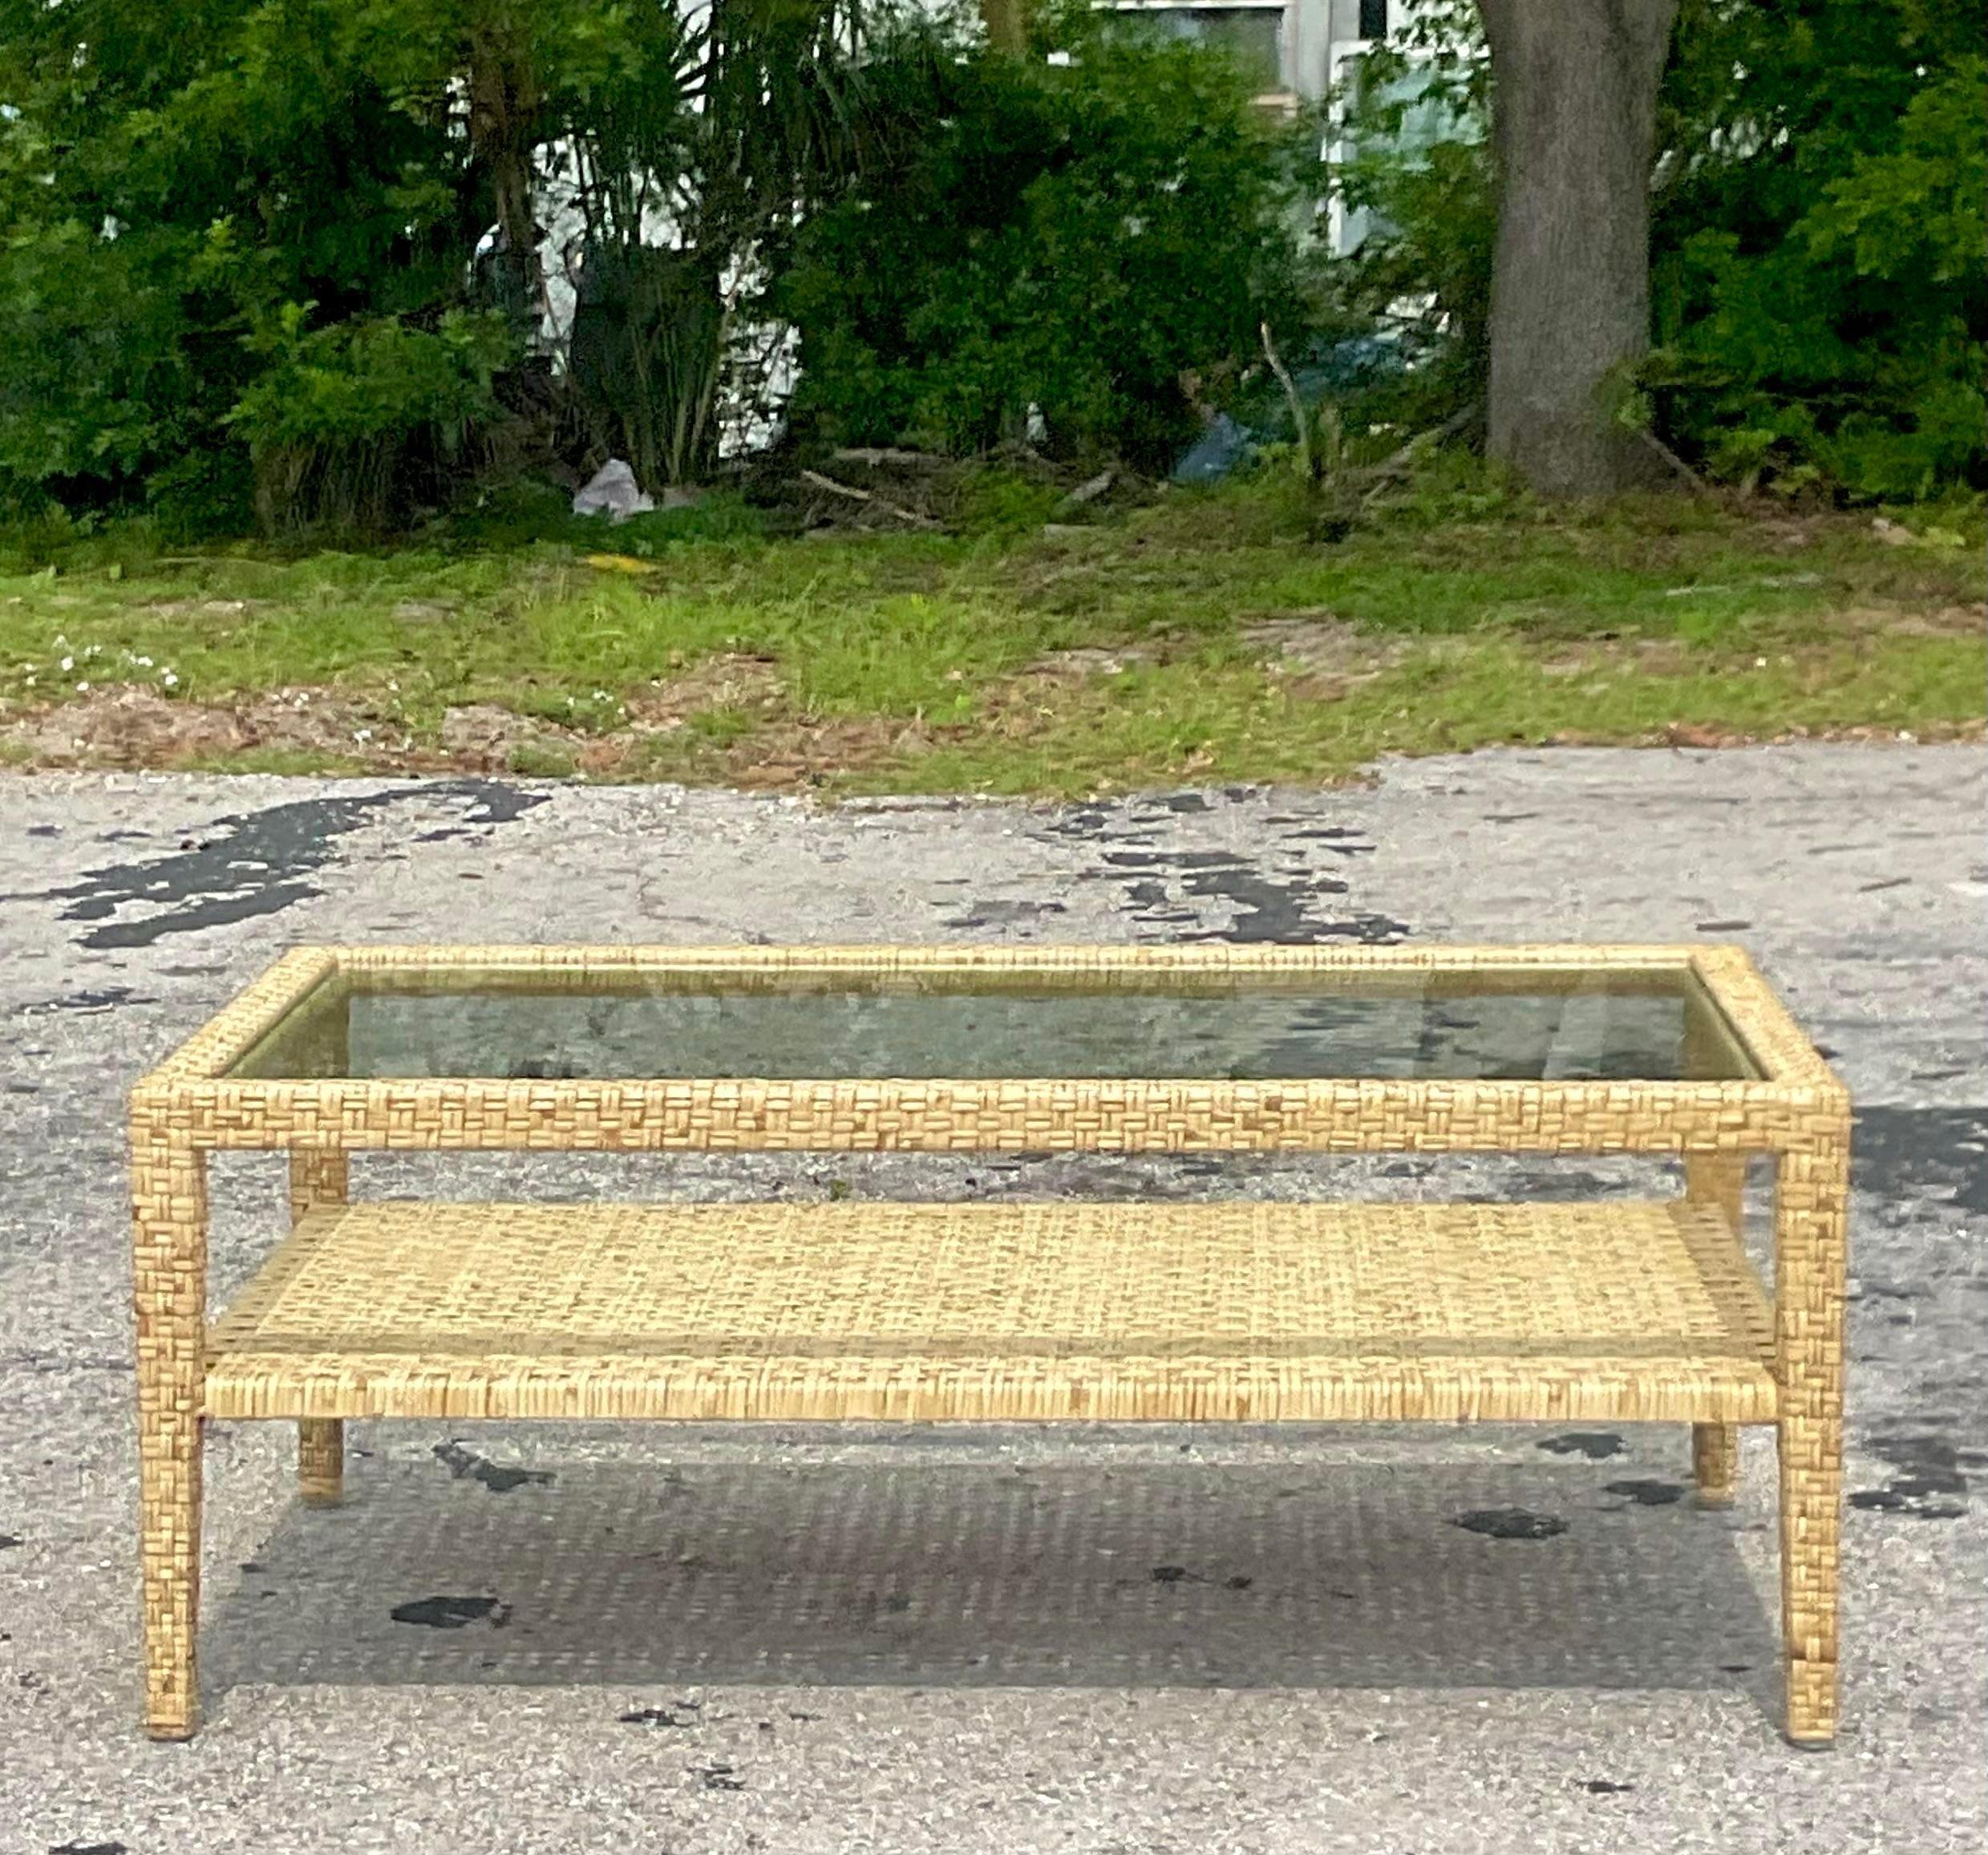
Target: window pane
(1373, 18)
(1252, 36)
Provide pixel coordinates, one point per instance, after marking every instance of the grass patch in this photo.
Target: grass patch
(1201, 636)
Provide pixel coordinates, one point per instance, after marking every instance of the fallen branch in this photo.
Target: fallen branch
(1397, 465)
(1290, 393)
(1088, 491)
(874, 455)
(1019, 451)
(1449, 428)
(1676, 462)
(856, 494)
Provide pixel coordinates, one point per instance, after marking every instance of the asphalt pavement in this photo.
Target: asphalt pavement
(1122, 1641)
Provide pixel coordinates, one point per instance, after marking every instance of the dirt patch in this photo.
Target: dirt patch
(732, 680)
(1661, 657)
(1709, 735)
(1638, 657)
(1326, 688)
(320, 721)
(203, 608)
(767, 745)
(1940, 621)
(136, 727)
(1315, 656)
(1089, 660)
(124, 727)
(729, 719)
(799, 752)
(1317, 644)
(484, 737)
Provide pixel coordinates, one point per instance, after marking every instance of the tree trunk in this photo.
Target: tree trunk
(1006, 23)
(1573, 121)
(503, 108)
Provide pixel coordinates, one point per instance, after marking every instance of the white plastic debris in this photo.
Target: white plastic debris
(615, 491)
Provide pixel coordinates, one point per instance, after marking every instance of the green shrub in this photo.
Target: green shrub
(1100, 240)
(348, 423)
(94, 382)
(1820, 303)
(1004, 502)
(168, 177)
(648, 355)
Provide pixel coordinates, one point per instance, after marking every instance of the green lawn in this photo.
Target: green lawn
(1202, 636)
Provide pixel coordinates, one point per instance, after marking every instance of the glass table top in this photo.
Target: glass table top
(1537, 1024)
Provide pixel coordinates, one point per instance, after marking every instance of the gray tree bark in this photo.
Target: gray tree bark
(1006, 25)
(1573, 122)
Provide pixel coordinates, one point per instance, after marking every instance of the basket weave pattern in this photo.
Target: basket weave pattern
(926, 1313)
(1000, 1312)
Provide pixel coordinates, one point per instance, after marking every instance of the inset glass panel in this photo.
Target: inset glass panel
(1530, 1024)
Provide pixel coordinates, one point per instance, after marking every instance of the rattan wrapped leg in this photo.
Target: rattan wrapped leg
(169, 1284)
(318, 1178)
(1717, 1178)
(1812, 1192)
(1716, 1463)
(321, 1460)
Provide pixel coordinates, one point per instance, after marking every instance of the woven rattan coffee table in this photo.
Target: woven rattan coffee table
(1607, 1312)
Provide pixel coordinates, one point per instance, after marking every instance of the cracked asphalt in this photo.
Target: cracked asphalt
(1396, 1641)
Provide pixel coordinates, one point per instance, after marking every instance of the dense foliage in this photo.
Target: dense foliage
(284, 256)
(285, 251)
(303, 234)
(1821, 298)
(1819, 293)
(204, 204)
(1101, 240)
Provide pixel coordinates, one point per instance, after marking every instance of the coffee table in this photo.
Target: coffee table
(1228, 1312)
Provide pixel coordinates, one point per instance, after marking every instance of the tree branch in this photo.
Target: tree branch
(856, 494)
(1290, 393)
(1676, 462)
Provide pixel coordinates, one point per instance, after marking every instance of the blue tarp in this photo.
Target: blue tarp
(1266, 418)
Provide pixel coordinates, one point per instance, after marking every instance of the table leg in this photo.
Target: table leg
(1716, 1463)
(169, 1290)
(1811, 1196)
(318, 1178)
(1717, 1178)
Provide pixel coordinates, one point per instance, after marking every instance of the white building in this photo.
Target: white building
(1298, 46)
(1299, 50)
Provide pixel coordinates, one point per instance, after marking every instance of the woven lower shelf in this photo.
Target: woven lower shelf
(1236, 1311)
